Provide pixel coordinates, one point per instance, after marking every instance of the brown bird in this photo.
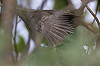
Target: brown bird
(53, 24)
(56, 25)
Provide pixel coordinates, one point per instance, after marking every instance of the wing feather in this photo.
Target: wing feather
(57, 27)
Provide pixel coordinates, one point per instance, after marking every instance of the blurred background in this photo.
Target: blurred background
(21, 37)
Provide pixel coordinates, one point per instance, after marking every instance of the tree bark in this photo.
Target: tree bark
(8, 12)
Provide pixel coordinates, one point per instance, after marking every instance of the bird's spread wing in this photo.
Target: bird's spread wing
(57, 27)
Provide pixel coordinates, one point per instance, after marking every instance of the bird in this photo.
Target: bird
(55, 25)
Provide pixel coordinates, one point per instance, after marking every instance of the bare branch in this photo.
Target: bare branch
(24, 9)
(42, 5)
(79, 11)
(94, 17)
(14, 39)
(96, 12)
(31, 19)
(92, 29)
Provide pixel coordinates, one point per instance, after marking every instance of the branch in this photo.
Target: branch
(96, 12)
(7, 16)
(24, 9)
(14, 39)
(31, 19)
(43, 3)
(94, 17)
(79, 12)
(89, 27)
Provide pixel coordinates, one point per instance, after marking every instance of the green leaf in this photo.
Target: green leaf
(93, 59)
(60, 4)
(43, 40)
(20, 44)
(69, 53)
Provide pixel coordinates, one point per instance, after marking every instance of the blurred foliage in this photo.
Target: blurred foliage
(1, 1)
(1, 48)
(0, 20)
(98, 4)
(92, 59)
(20, 44)
(60, 4)
(69, 53)
(23, 13)
(44, 41)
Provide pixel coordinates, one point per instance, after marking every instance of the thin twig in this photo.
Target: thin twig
(21, 16)
(96, 12)
(14, 39)
(42, 5)
(30, 23)
(94, 17)
(28, 42)
(89, 27)
(18, 21)
(24, 9)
